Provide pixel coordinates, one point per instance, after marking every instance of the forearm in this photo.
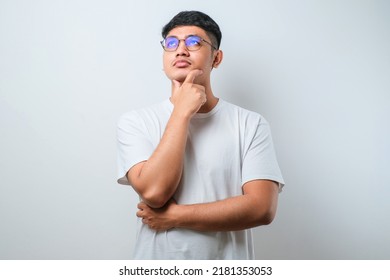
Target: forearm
(157, 178)
(236, 213)
(257, 206)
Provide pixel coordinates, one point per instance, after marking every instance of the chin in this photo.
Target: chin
(179, 76)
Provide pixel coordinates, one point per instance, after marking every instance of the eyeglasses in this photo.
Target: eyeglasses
(192, 43)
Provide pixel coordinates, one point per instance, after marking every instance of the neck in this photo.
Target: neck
(210, 103)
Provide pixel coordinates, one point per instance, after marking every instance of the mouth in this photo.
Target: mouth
(181, 63)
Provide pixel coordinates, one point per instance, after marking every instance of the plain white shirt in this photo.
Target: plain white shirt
(226, 148)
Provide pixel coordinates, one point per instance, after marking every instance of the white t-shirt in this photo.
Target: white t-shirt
(226, 148)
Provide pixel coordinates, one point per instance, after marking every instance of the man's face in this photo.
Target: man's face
(178, 63)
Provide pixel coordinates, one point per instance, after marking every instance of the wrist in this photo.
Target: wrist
(182, 216)
(181, 115)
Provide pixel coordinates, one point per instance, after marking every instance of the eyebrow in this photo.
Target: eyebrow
(185, 36)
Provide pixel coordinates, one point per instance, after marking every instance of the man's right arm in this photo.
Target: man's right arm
(156, 179)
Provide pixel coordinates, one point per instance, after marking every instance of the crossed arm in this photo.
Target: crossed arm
(156, 180)
(257, 206)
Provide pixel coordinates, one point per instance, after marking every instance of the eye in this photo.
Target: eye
(193, 41)
(171, 42)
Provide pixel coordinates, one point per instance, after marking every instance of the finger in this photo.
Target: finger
(175, 86)
(141, 205)
(192, 75)
(176, 83)
(139, 214)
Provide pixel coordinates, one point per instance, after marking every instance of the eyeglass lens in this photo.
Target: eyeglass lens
(191, 42)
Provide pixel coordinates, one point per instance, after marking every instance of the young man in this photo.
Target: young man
(205, 169)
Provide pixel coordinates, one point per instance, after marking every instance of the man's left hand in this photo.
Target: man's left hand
(158, 219)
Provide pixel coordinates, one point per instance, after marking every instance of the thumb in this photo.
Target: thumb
(192, 75)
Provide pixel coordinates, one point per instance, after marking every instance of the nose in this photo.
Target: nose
(182, 49)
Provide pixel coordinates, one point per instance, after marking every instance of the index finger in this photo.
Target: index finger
(141, 205)
(192, 75)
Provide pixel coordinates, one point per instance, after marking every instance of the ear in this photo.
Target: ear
(218, 58)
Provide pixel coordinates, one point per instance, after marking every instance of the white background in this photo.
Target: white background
(318, 71)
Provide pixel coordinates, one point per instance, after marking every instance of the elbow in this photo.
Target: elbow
(154, 202)
(268, 219)
(152, 194)
(264, 218)
(155, 199)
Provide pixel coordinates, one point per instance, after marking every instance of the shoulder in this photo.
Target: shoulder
(146, 114)
(244, 115)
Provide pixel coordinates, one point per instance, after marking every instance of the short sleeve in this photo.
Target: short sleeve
(134, 145)
(260, 161)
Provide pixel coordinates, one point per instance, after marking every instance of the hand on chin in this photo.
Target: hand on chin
(181, 75)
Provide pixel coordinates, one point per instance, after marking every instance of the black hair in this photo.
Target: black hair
(195, 18)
